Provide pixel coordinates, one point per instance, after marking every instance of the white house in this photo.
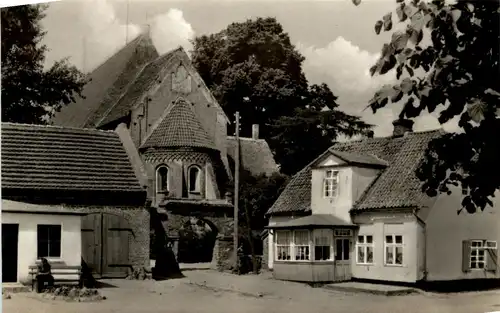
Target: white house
(358, 211)
(32, 231)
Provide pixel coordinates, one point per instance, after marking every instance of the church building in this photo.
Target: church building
(180, 132)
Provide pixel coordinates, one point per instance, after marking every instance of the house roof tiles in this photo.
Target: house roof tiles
(59, 158)
(255, 155)
(396, 186)
(107, 84)
(178, 127)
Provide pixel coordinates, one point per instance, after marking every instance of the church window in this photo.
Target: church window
(162, 179)
(194, 179)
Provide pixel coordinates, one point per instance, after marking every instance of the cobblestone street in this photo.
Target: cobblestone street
(207, 291)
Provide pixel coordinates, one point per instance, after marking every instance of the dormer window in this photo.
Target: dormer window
(330, 184)
(194, 181)
(162, 179)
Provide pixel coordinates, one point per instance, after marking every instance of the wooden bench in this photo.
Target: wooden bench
(62, 273)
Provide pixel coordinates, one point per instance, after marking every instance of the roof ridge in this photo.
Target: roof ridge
(58, 127)
(412, 133)
(136, 40)
(126, 90)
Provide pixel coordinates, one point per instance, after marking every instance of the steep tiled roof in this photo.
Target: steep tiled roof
(255, 155)
(56, 158)
(178, 127)
(397, 186)
(142, 82)
(108, 82)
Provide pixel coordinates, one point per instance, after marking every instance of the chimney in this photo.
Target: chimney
(402, 126)
(255, 131)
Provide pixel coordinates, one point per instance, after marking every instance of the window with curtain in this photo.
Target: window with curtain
(394, 250)
(283, 245)
(364, 248)
(330, 184)
(301, 241)
(323, 244)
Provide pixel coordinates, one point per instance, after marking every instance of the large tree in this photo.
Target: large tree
(253, 68)
(30, 93)
(447, 60)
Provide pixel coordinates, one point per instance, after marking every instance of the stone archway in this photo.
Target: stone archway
(197, 237)
(221, 245)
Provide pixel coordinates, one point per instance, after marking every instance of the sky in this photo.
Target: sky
(336, 37)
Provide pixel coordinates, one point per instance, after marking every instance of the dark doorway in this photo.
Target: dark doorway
(196, 241)
(10, 234)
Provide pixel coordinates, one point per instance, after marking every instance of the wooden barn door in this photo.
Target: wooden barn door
(105, 244)
(92, 242)
(115, 261)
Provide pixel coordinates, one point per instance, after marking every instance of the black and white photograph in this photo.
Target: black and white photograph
(250, 156)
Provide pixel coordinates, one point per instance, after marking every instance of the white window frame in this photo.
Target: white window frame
(158, 189)
(50, 242)
(296, 247)
(495, 246)
(327, 233)
(481, 247)
(331, 184)
(364, 246)
(393, 246)
(277, 246)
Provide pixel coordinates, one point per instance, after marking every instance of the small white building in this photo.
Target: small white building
(32, 231)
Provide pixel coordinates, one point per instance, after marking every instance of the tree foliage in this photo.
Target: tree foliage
(258, 193)
(30, 93)
(253, 68)
(460, 77)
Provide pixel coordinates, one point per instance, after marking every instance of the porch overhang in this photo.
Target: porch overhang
(313, 221)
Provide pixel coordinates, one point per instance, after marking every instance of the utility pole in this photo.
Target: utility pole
(126, 25)
(84, 55)
(236, 189)
(148, 25)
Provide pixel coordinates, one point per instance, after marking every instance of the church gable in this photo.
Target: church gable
(173, 78)
(181, 80)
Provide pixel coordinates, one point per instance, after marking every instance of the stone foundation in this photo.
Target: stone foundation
(223, 255)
